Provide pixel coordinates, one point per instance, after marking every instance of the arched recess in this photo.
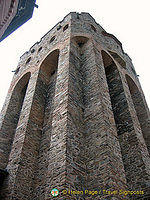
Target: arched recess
(118, 100)
(122, 117)
(46, 84)
(129, 143)
(49, 66)
(140, 110)
(118, 59)
(42, 110)
(11, 118)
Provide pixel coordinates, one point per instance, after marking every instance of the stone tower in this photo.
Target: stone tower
(75, 118)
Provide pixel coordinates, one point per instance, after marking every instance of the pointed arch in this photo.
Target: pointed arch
(49, 65)
(118, 99)
(118, 59)
(9, 124)
(45, 86)
(140, 109)
(43, 103)
(127, 136)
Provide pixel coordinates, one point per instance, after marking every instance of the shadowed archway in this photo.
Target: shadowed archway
(9, 125)
(140, 110)
(44, 98)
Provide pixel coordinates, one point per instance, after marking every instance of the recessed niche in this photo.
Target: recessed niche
(80, 40)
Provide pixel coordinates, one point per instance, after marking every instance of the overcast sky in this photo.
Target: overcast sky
(128, 20)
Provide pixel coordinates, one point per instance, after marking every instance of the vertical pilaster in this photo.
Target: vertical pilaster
(76, 167)
(103, 153)
(56, 172)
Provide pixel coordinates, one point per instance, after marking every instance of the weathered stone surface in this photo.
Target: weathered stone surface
(75, 119)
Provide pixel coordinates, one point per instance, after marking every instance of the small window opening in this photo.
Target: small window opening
(65, 27)
(32, 50)
(17, 70)
(53, 72)
(93, 28)
(59, 27)
(39, 49)
(29, 59)
(52, 39)
(80, 44)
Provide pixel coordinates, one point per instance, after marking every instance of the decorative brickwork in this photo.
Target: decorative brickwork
(75, 119)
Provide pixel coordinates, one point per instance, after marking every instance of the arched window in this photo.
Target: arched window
(12, 115)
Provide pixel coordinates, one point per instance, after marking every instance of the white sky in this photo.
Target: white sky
(128, 20)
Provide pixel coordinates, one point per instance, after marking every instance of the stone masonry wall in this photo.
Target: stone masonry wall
(131, 157)
(102, 151)
(71, 119)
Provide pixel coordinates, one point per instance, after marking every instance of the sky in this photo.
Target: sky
(128, 20)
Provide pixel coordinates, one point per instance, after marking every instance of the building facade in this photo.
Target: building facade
(8, 10)
(75, 119)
